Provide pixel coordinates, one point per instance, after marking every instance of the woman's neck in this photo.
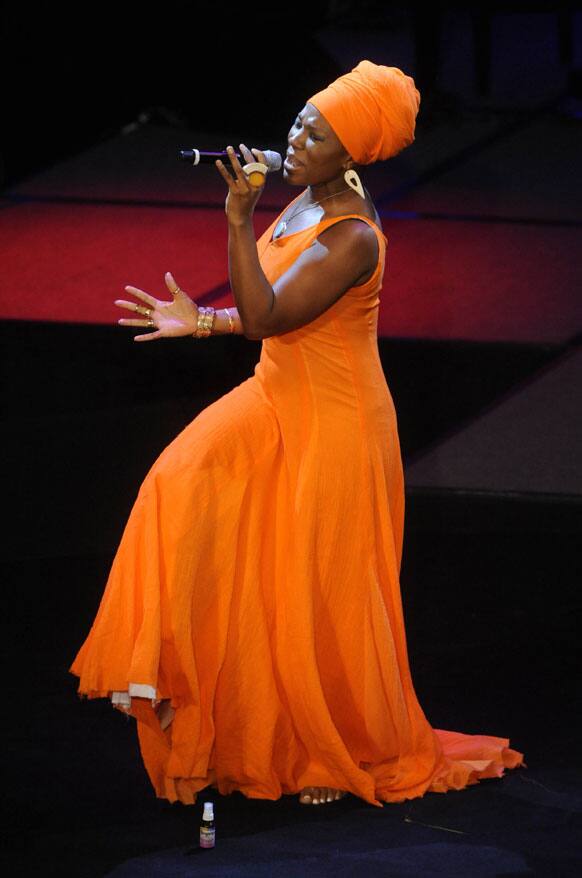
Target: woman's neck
(319, 191)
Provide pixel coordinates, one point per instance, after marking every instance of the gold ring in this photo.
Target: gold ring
(151, 322)
(176, 291)
(148, 312)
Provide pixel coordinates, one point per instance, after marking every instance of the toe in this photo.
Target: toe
(320, 795)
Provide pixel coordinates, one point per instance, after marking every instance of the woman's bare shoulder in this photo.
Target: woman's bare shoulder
(352, 236)
(353, 204)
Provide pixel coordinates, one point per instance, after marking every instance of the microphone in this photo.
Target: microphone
(200, 157)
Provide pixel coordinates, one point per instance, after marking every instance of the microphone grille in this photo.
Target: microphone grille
(274, 159)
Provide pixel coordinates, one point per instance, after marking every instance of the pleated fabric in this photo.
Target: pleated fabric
(256, 583)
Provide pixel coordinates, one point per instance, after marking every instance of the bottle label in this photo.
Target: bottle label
(207, 837)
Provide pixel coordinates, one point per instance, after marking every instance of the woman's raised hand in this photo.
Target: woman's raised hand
(170, 319)
(242, 197)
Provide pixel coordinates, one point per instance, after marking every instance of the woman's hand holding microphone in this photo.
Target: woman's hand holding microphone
(244, 189)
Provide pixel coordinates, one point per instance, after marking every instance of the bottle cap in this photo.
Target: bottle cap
(208, 811)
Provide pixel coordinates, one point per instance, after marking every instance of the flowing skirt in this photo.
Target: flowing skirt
(261, 595)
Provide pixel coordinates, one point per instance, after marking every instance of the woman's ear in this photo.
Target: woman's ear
(349, 164)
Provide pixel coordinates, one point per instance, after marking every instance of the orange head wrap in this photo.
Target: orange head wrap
(372, 110)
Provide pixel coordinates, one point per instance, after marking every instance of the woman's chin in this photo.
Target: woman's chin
(290, 176)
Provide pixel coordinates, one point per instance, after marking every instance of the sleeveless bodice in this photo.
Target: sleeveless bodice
(329, 370)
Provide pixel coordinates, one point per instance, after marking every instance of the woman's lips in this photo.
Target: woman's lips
(291, 163)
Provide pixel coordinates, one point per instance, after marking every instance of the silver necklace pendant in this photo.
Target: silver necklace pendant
(280, 230)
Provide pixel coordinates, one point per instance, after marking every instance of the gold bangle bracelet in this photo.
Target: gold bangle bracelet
(206, 316)
(230, 321)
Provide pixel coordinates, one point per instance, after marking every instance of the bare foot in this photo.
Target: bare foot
(165, 713)
(319, 795)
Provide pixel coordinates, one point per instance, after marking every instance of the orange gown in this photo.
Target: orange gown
(256, 583)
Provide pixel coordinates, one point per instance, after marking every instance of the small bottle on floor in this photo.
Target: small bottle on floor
(207, 828)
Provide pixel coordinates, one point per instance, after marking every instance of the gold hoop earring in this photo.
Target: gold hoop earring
(354, 182)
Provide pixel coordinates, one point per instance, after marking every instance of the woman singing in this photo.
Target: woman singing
(252, 621)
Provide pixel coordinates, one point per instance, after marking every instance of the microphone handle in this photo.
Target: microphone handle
(204, 157)
(199, 157)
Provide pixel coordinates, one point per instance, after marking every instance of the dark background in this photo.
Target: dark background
(75, 73)
(490, 583)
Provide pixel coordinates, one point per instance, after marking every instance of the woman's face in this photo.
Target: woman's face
(315, 154)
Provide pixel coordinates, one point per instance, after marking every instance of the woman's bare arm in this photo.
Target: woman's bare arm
(222, 326)
(337, 259)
